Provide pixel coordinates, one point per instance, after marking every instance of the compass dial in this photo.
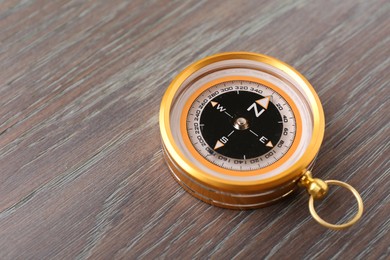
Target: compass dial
(241, 125)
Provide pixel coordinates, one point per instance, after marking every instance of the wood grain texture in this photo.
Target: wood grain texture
(81, 169)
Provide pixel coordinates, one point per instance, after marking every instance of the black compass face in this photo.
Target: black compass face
(244, 127)
(241, 125)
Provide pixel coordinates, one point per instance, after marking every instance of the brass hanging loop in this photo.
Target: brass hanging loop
(318, 189)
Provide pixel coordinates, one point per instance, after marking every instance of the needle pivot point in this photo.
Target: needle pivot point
(241, 123)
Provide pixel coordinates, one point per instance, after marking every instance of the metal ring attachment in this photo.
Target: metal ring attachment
(344, 225)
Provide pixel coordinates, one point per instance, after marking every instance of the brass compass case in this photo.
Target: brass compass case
(228, 187)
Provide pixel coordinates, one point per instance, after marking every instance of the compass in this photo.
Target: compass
(242, 130)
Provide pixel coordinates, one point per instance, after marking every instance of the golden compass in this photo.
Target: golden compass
(242, 130)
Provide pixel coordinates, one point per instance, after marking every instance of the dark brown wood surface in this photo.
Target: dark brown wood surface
(81, 169)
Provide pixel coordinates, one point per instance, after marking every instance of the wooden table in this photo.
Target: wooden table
(82, 173)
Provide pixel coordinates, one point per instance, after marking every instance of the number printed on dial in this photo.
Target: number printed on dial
(241, 125)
